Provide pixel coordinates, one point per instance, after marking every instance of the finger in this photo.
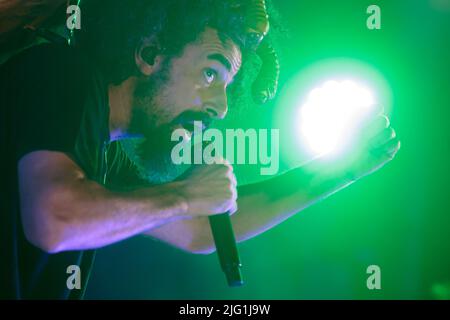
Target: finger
(375, 111)
(393, 149)
(382, 138)
(234, 194)
(377, 125)
(232, 210)
(223, 161)
(225, 164)
(379, 109)
(230, 167)
(389, 149)
(232, 178)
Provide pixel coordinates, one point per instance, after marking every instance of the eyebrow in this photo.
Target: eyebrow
(221, 58)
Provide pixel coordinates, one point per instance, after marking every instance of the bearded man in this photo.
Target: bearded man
(88, 130)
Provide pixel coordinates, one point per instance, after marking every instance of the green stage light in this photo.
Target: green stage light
(320, 109)
(332, 113)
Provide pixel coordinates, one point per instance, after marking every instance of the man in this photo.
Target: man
(88, 131)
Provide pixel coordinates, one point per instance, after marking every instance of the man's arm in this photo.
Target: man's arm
(263, 205)
(63, 210)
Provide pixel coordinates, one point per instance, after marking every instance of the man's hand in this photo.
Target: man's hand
(63, 210)
(209, 189)
(379, 145)
(265, 204)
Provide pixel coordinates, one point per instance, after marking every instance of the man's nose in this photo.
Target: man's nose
(217, 105)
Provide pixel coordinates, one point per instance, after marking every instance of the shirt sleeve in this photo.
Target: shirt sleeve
(46, 90)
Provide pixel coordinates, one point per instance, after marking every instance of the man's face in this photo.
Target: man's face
(188, 88)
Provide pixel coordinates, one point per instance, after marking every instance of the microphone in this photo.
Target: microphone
(226, 247)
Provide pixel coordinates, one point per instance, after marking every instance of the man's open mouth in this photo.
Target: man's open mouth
(194, 126)
(193, 121)
(191, 128)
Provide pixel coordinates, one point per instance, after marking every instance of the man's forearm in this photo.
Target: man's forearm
(266, 204)
(261, 206)
(85, 215)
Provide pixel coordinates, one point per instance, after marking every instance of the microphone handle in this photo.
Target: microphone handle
(226, 247)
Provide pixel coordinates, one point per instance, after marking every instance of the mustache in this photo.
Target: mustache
(158, 137)
(189, 116)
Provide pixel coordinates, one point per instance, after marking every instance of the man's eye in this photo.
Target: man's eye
(210, 75)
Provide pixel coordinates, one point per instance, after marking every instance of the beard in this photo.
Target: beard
(151, 155)
(151, 152)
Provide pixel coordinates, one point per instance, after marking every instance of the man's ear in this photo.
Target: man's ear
(147, 58)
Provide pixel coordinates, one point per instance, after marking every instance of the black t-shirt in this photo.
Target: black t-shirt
(51, 98)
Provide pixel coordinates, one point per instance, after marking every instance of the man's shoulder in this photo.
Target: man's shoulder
(48, 91)
(46, 54)
(46, 63)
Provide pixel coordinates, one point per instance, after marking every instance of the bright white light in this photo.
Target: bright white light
(331, 115)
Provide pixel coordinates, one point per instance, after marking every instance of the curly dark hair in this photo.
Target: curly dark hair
(112, 30)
